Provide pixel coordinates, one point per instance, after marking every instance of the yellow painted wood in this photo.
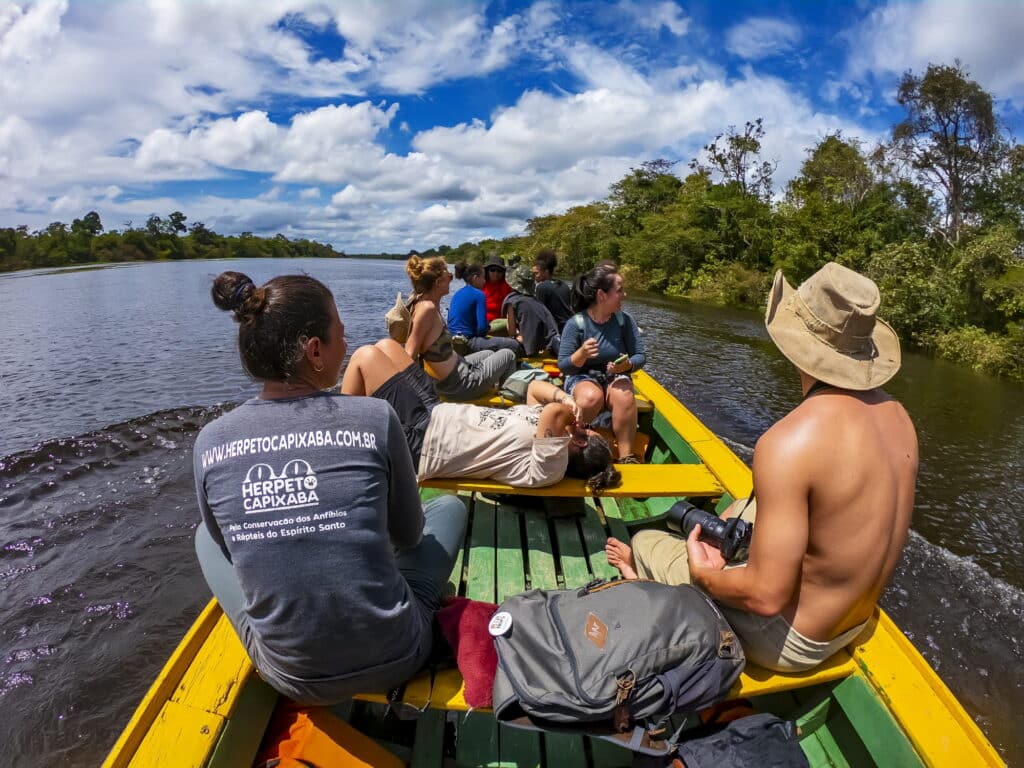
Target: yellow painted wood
(163, 688)
(449, 689)
(181, 736)
(727, 468)
(934, 721)
(757, 681)
(637, 480)
(214, 680)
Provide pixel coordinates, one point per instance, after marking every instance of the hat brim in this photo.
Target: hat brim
(822, 361)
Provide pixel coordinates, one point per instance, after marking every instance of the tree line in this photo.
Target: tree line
(86, 242)
(934, 214)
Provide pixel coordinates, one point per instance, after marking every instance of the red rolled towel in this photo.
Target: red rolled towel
(463, 623)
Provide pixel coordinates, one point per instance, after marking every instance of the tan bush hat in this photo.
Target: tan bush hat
(828, 328)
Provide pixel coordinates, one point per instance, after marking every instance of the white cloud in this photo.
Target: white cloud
(761, 38)
(654, 17)
(986, 36)
(26, 33)
(103, 102)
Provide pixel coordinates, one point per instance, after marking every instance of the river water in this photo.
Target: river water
(106, 376)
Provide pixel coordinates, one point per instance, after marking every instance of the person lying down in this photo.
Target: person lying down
(526, 446)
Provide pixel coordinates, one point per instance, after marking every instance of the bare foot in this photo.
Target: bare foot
(620, 556)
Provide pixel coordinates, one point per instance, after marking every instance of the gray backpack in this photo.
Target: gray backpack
(615, 657)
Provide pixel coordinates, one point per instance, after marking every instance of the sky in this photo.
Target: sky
(390, 125)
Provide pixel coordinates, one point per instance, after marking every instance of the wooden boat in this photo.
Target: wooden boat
(876, 703)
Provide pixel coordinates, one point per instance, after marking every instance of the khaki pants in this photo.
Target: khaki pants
(769, 641)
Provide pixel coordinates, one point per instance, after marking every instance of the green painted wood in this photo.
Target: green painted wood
(605, 755)
(480, 578)
(833, 753)
(559, 749)
(814, 718)
(594, 539)
(660, 454)
(428, 745)
(815, 753)
(243, 732)
(682, 450)
(516, 746)
(477, 741)
(571, 556)
(563, 750)
(456, 579)
(511, 570)
(610, 508)
(723, 503)
(872, 722)
(539, 553)
(519, 748)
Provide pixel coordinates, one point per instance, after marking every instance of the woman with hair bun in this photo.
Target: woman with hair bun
(600, 347)
(456, 378)
(467, 315)
(313, 538)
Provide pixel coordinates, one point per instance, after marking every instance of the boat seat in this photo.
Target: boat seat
(645, 480)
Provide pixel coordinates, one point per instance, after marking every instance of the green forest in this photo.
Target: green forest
(86, 242)
(934, 214)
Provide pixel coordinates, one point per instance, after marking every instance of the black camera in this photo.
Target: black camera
(732, 537)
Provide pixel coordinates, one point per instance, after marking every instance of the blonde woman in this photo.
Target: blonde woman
(456, 378)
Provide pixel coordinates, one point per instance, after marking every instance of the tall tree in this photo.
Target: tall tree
(836, 171)
(950, 136)
(643, 191)
(736, 157)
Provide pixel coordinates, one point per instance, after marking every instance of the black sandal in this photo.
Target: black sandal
(630, 459)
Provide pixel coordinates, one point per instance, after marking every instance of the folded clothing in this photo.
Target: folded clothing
(463, 623)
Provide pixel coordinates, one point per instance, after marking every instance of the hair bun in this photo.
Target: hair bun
(236, 292)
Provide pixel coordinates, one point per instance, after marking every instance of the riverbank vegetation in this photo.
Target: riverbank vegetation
(86, 242)
(934, 214)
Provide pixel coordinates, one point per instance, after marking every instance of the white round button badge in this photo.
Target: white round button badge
(500, 624)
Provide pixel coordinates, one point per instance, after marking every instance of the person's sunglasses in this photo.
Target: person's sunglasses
(495, 269)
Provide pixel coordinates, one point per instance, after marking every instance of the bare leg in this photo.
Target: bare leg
(620, 555)
(622, 403)
(590, 398)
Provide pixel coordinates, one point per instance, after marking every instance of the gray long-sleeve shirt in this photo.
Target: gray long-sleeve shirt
(308, 497)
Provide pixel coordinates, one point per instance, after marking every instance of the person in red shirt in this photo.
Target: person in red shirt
(496, 288)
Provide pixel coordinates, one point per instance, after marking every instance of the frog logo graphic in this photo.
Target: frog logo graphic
(294, 487)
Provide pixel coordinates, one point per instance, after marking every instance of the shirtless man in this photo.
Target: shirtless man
(834, 482)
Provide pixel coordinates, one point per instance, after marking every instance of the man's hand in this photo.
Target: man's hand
(702, 557)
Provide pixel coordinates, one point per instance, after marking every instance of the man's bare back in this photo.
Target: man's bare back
(856, 453)
(834, 482)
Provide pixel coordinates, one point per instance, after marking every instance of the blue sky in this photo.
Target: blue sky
(392, 125)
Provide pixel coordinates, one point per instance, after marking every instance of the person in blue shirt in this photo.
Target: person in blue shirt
(600, 347)
(467, 314)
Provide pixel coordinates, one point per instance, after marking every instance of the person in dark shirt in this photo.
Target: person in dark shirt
(313, 538)
(550, 291)
(530, 324)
